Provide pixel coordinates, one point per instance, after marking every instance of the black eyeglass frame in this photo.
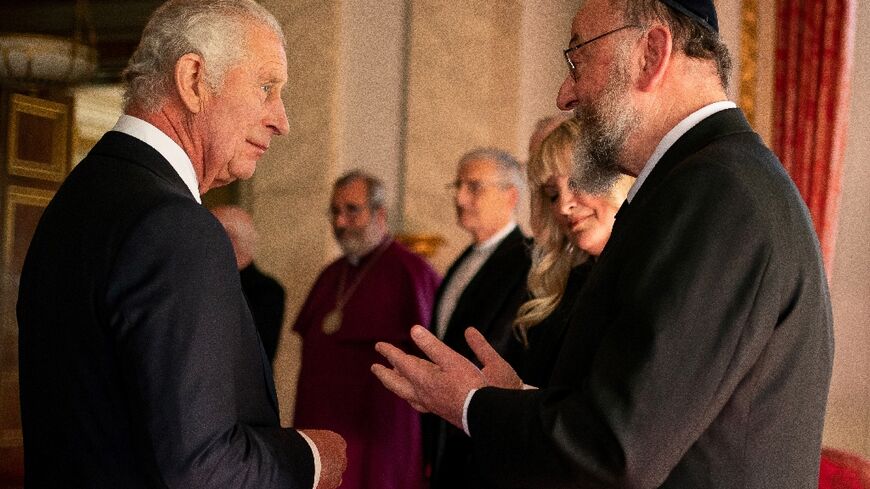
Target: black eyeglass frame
(572, 68)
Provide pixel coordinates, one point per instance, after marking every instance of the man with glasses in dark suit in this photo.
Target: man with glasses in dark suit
(702, 349)
(483, 288)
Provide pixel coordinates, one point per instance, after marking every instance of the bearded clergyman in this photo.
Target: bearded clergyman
(375, 292)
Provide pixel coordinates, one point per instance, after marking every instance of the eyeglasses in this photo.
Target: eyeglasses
(474, 187)
(350, 211)
(572, 66)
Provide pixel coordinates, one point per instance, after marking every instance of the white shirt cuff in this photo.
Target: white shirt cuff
(316, 454)
(465, 411)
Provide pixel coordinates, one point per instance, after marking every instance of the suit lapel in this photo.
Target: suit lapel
(126, 148)
(488, 279)
(720, 124)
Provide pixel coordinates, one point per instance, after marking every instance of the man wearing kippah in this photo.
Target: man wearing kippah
(701, 352)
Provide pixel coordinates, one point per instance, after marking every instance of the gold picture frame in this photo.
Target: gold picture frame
(749, 58)
(38, 138)
(24, 207)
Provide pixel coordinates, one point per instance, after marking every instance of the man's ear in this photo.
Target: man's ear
(190, 81)
(656, 49)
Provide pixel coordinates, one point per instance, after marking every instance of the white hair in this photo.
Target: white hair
(508, 168)
(213, 29)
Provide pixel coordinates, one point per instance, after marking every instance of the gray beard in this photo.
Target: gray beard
(605, 126)
(355, 245)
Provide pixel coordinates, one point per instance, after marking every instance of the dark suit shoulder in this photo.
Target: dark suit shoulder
(119, 180)
(509, 262)
(491, 299)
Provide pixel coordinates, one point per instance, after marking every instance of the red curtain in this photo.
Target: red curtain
(813, 63)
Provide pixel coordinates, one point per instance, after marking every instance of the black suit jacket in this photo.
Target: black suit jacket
(701, 351)
(265, 298)
(491, 299)
(489, 303)
(139, 361)
(546, 337)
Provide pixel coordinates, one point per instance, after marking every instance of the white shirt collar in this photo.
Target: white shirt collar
(671, 137)
(496, 238)
(163, 144)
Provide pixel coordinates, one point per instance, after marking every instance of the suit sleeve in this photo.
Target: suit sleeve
(694, 309)
(184, 338)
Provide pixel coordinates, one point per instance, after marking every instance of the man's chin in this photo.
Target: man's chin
(350, 247)
(243, 171)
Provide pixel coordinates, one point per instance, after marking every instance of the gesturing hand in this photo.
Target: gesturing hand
(440, 385)
(496, 370)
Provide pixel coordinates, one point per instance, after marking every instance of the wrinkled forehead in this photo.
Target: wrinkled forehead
(265, 48)
(354, 193)
(594, 17)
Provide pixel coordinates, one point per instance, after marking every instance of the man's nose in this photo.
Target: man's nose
(462, 197)
(277, 119)
(567, 98)
(339, 220)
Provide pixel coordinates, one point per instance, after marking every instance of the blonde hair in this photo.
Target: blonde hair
(553, 253)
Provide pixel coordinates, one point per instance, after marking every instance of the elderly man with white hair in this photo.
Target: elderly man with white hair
(140, 363)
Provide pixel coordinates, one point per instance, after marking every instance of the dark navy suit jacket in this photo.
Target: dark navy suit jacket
(489, 303)
(140, 364)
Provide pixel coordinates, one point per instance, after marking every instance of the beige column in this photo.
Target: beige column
(345, 103)
(463, 91)
(286, 195)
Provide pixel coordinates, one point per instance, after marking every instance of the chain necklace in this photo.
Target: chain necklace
(333, 319)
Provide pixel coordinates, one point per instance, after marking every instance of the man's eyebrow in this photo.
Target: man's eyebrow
(267, 77)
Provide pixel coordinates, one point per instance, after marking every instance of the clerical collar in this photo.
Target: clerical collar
(163, 144)
(672, 136)
(496, 238)
(356, 260)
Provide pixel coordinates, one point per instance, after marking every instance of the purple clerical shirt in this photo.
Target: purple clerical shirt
(336, 388)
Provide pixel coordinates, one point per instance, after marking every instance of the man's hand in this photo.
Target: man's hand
(439, 386)
(333, 456)
(496, 370)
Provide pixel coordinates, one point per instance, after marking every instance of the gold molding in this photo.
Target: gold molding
(58, 114)
(424, 244)
(749, 58)
(11, 438)
(19, 196)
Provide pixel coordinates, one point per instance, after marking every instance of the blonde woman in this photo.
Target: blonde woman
(572, 230)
